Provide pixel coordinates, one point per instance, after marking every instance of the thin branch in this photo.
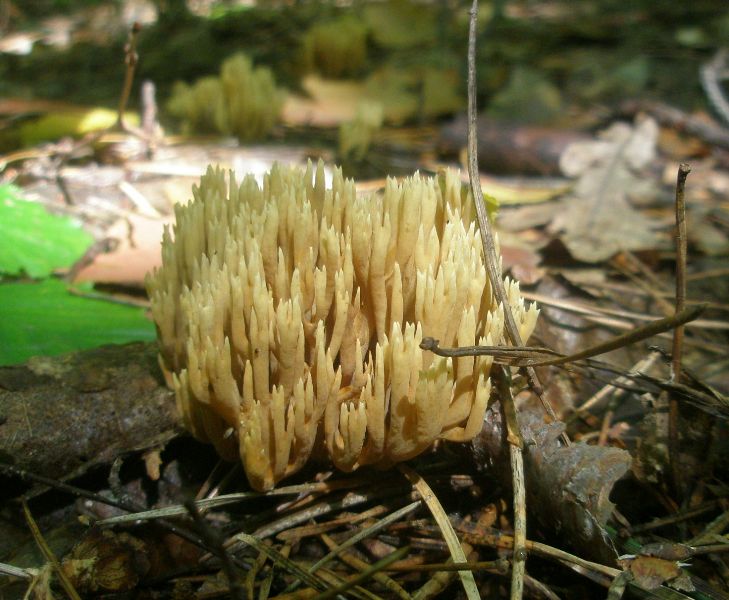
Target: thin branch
(503, 355)
(499, 566)
(714, 528)
(443, 522)
(213, 540)
(65, 487)
(484, 225)
(356, 538)
(710, 77)
(625, 319)
(534, 357)
(619, 386)
(678, 517)
(707, 130)
(497, 285)
(673, 442)
(282, 561)
(478, 535)
(380, 565)
(82, 493)
(13, 571)
(49, 555)
(360, 565)
(131, 58)
(516, 444)
(632, 337)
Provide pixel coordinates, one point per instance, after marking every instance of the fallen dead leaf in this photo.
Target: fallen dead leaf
(136, 253)
(650, 573)
(107, 561)
(568, 488)
(523, 262)
(598, 220)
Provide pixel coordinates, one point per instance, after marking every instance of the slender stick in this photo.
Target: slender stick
(483, 536)
(360, 565)
(214, 541)
(516, 445)
(625, 319)
(492, 266)
(637, 335)
(12, 571)
(443, 522)
(620, 385)
(495, 566)
(533, 357)
(49, 555)
(484, 225)
(673, 441)
(130, 59)
(487, 236)
(396, 515)
(119, 503)
(518, 565)
(368, 573)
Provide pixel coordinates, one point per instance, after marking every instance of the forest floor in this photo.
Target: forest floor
(586, 221)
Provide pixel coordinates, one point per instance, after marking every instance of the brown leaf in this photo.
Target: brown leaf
(137, 252)
(598, 220)
(108, 561)
(650, 572)
(568, 488)
(522, 262)
(667, 551)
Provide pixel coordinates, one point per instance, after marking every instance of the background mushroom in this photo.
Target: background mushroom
(290, 316)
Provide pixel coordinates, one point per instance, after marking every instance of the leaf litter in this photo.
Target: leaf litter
(597, 220)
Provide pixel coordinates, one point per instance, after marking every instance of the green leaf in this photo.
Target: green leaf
(71, 122)
(45, 319)
(33, 241)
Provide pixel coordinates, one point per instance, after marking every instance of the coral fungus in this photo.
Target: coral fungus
(242, 101)
(290, 317)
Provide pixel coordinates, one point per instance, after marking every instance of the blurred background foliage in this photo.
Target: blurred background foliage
(569, 54)
(241, 101)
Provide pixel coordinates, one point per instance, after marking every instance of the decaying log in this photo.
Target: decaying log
(61, 415)
(507, 148)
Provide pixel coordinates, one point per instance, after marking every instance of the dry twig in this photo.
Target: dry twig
(535, 357)
(673, 448)
(49, 555)
(441, 518)
(516, 446)
(213, 540)
(497, 285)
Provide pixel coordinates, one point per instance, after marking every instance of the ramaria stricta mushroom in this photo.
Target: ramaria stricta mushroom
(290, 318)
